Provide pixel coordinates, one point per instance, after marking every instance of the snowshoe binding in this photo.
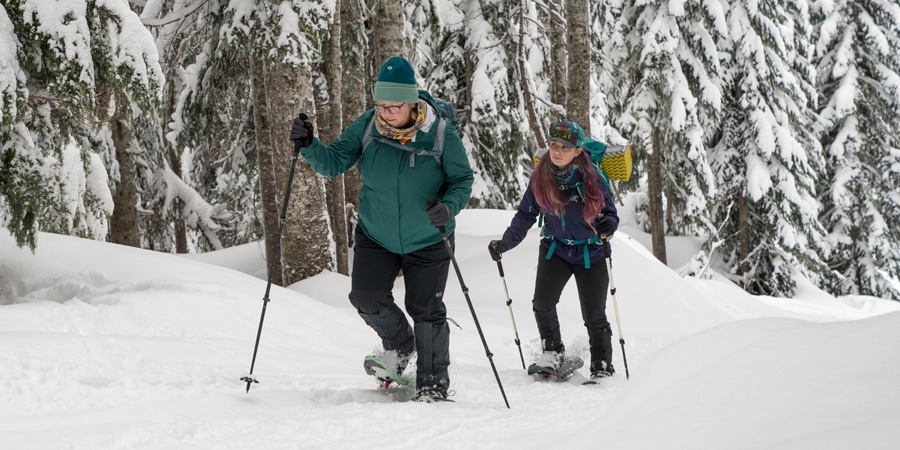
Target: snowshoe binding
(599, 372)
(431, 395)
(553, 366)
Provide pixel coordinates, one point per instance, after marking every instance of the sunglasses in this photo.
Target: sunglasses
(565, 134)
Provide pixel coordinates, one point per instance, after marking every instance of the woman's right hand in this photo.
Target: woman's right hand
(496, 248)
(302, 131)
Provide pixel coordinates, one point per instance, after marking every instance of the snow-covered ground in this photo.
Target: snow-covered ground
(110, 347)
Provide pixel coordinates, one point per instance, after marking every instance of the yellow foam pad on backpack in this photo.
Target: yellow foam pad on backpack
(617, 162)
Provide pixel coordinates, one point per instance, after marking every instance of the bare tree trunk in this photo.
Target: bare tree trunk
(654, 192)
(670, 210)
(744, 244)
(388, 30)
(578, 102)
(331, 129)
(353, 43)
(559, 57)
(175, 164)
(525, 75)
(279, 92)
(123, 225)
(268, 187)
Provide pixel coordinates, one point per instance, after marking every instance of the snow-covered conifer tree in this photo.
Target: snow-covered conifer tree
(765, 164)
(25, 191)
(206, 126)
(858, 52)
(663, 85)
(83, 71)
(467, 54)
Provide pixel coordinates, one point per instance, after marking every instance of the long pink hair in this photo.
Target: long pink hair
(552, 200)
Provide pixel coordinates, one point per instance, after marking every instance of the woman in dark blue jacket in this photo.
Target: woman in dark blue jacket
(569, 195)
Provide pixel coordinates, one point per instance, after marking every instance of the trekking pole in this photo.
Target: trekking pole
(511, 316)
(276, 253)
(465, 290)
(612, 291)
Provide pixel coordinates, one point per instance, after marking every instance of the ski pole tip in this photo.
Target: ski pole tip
(249, 379)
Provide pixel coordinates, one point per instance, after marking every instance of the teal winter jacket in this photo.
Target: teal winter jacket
(394, 196)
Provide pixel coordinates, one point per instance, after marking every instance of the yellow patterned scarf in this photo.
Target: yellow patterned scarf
(403, 135)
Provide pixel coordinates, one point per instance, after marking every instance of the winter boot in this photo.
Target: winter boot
(398, 360)
(430, 395)
(601, 370)
(551, 342)
(600, 338)
(548, 363)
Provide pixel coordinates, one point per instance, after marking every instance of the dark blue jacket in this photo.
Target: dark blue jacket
(575, 228)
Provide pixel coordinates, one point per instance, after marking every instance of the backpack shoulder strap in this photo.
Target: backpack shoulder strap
(437, 152)
(367, 136)
(440, 136)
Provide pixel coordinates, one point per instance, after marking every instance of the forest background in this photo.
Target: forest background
(766, 128)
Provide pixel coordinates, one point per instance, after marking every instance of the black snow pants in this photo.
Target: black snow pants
(425, 273)
(552, 276)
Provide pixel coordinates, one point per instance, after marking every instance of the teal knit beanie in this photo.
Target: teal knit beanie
(396, 82)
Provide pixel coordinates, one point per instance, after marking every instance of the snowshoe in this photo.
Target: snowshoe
(566, 368)
(387, 369)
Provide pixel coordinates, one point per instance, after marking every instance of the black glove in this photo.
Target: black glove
(302, 132)
(496, 248)
(603, 225)
(439, 214)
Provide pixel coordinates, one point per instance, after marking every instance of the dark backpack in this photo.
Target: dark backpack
(445, 112)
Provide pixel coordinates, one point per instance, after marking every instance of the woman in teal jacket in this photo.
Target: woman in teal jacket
(415, 178)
